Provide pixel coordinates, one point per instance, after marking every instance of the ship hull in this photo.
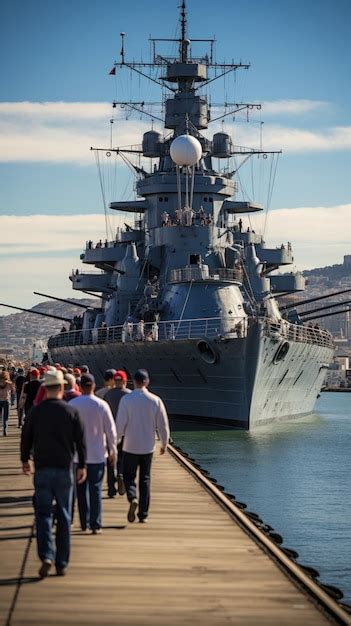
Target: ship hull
(239, 383)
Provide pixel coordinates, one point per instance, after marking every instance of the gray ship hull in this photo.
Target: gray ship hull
(243, 386)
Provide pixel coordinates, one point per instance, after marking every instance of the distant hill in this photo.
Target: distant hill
(20, 330)
(333, 272)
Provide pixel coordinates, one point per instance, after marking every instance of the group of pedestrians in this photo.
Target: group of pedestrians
(71, 435)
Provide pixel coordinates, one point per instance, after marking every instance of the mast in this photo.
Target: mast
(184, 41)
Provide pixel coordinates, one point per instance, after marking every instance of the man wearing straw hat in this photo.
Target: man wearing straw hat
(52, 430)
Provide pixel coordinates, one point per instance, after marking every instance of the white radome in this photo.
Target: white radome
(185, 150)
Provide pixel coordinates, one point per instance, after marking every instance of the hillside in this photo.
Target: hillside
(18, 331)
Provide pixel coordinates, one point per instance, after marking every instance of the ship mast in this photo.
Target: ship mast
(184, 41)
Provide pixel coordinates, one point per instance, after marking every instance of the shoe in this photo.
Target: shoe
(112, 494)
(45, 568)
(61, 571)
(132, 508)
(120, 485)
(143, 520)
(96, 531)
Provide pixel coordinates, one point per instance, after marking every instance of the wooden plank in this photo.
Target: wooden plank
(191, 564)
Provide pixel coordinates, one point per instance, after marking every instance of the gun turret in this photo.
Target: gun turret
(308, 300)
(19, 308)
(83, 306)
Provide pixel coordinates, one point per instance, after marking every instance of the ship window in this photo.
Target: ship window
(161, 199)
(194, 259)
(166, 198)
(211, 199)
(205, 199)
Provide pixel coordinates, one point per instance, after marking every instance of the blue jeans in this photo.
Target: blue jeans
(4, 409)
(53, 484)
(89, 496)
(131, 462)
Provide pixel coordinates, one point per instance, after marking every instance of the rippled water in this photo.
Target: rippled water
(296, 476)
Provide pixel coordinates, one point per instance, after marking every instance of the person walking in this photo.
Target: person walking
(113, 397)
(19, 382)
(30, 390)
(53, 430)
(6, 389)
(109, 383)
(100, 429)
(140, 416)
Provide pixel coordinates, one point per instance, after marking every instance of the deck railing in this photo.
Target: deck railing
(192, 329)
(151, 331)
(299, 333)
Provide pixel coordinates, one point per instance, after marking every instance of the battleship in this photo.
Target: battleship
(187, 291)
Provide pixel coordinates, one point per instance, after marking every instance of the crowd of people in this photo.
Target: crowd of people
(73, 432)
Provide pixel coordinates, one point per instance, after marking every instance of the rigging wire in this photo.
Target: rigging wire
(97, 158)
(272, 175)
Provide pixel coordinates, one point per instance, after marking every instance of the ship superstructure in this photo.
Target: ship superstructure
(186, 291)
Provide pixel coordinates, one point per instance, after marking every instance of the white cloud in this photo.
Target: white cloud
(62, 131)
(53, 233)
(56, 132)
(320, 236)
(292, 107)
(38, 253)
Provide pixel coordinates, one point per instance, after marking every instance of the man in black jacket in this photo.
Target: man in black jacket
(53, 430)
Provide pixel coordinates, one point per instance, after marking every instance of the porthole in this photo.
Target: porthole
(282, 351)
(207, 352)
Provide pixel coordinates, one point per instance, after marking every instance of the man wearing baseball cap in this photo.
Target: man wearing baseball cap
(140, 415)
(113, 398)
(53, 430)
(100, 432)
(109, 383)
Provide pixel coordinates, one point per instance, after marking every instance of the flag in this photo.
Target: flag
(112, 72)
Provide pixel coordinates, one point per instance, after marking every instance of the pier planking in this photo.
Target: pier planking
(191, 564)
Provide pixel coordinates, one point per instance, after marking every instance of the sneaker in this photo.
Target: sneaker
(61, 571)
(120, 485)
(96, 531)
(143, 520)
(132, 508)
(45, 568)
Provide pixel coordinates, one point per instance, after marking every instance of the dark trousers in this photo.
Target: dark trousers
(4, 409)
(53, 484)
(131, 463)
(20, 412)
(89, 496)
(111, 478)
(111, 471)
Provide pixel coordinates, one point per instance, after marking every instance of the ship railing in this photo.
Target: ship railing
(172, 330)
(299, 333)
(201, 272)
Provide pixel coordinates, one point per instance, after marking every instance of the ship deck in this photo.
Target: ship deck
(192, 564)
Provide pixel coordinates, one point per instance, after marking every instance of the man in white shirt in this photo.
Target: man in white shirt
(140, 416)
(98, 423)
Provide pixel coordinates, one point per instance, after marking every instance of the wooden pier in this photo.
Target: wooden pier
(191, 564)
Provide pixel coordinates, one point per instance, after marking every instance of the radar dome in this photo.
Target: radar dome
(186, 150)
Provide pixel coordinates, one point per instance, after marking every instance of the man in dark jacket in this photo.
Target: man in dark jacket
(53, 430)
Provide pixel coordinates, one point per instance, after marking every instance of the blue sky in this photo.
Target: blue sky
(54, 104)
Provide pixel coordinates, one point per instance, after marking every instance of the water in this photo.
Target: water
(296, 476)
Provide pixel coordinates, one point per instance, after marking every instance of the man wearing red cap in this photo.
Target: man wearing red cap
(29, 390)
(113, 398)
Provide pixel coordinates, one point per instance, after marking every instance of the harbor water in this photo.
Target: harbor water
(296, 476)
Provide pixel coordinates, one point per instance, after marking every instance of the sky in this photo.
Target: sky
(55, 103)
